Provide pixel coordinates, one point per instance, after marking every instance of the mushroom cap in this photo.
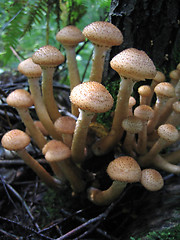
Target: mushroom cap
(70, 36)
(174, 74)
(132, 124)
(48, 56)
(144, 91)
(19, 98)
(168, 132)
(15, 140)
(159, 77)
(164, 89)
(144, 112)
(103, 34)
(176, 106)
(56, 151)
(92, 97)
(65, 124)
(30, 69)
(133, 63)
(124, 169)
(132, 101)
(152, 179)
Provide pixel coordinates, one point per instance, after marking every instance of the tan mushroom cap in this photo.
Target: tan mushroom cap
(144, 112)
(48, 56)
(133, 63)
(65, 124)
(174, 74)
(176, 106)
(168, 132)
(165, 89)
(103, 34)
(70, 36)
(92, 96)
(159, 77)
(132, 124)
(30, 69)
(56, 151)
(132, 101)
(144, 91)
(15, 140)
(124, 169)
(19, 98)
(152, 180)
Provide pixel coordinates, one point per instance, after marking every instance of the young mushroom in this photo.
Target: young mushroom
(103, 35)
(22, 100)
(90, 98)
(144, 93)
(17, 140)
(57, 152)
(48, 57)
(33, 72)
(132, 65)
(151, 179)
(122, 170)
(70, 36)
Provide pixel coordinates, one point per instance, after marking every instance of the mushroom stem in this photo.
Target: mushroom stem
(164, 165)
(107, 196)
(80, 134)
(47, 91)
(38, 169)
(98, 63)
(35, 133)
(173, 157)
(41, 109)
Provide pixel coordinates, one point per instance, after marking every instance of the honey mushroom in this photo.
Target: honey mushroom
(122, 170)
(48, 57)
(17, 140)
(103, 35)
(151, 179)
(145, 93)
(132, 65)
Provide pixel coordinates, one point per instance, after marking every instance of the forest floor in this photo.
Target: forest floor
(30, 210)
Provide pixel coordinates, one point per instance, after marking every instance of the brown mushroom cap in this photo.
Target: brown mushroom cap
(165, 89)
(15, 140)
(30, 69)
(168, 132)
(55, 151)
(91, 96)
(144, 112)
(159, 77)
(124, 169)
(19, 98)
(70, 36)
(176, 106)
(103, 34)
(132, 124)
(152, 180)
(48, 56)
(133, 63)
(174, 74)
(65, 124)
(144, 91)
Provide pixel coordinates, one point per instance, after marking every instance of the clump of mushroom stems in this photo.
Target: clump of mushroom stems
(144, 144)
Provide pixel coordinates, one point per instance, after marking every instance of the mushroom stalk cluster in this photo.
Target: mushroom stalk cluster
(142, 128)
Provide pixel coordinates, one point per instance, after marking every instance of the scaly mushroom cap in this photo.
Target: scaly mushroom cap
(55, 151)
(91, 96)
(133, 63)
(15, 140)
(103, 34)
(65, 124)
(30, 69)
(19, 98)
(144, 91)
(152, 180)
(132, 124)
(124, 169)
(165, 89)
(48, 56)
(70, 36)
(168, 132)
(144, 112)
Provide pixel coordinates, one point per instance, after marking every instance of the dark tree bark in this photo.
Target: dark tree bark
(149, 25)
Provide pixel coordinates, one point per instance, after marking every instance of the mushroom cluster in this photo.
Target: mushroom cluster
(143, 128)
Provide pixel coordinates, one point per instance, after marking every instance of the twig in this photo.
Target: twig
(15, 53)
(9, 234)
